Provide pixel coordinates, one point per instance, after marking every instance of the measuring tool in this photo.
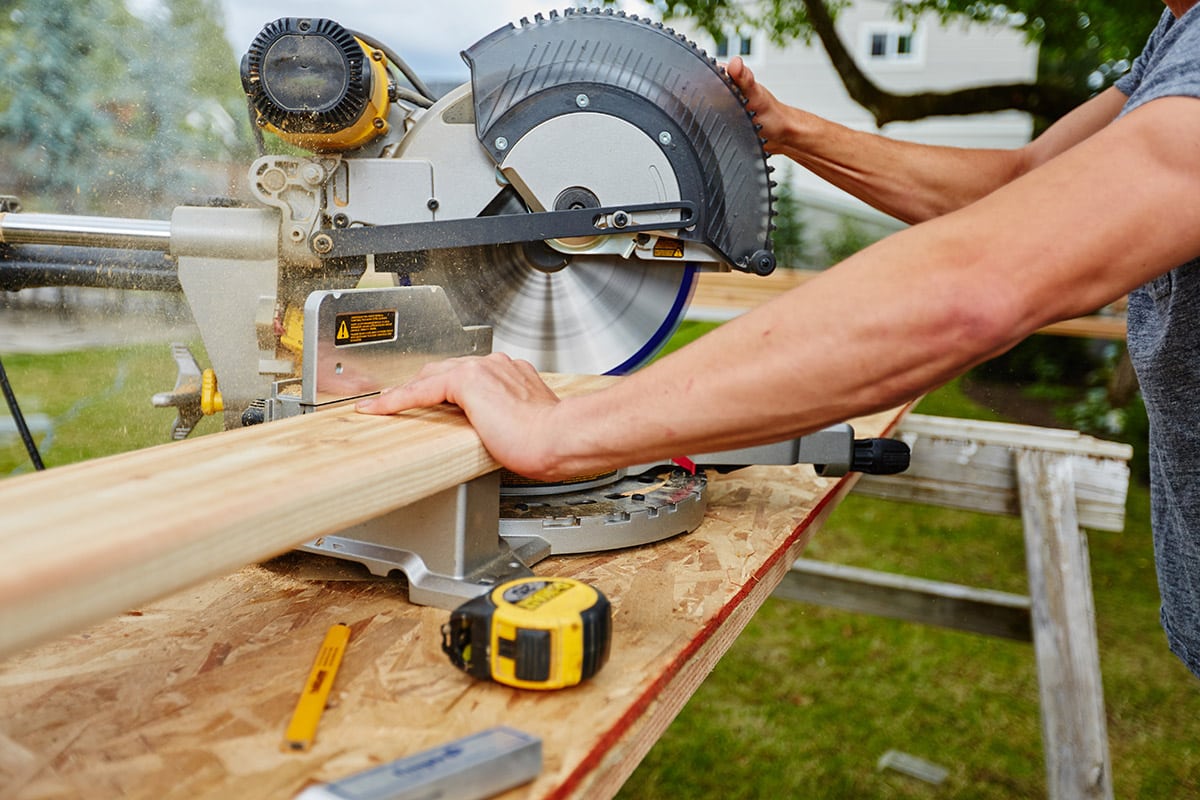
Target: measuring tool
(532, 633)
(303, 728)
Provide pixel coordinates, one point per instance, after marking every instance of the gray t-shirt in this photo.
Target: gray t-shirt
(1164, 331)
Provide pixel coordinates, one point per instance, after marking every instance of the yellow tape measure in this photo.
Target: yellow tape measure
(302, 730)
(533, 633)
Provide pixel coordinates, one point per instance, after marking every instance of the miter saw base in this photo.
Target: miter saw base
(459, 543)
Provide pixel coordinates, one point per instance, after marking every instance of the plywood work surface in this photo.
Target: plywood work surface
(188, 697)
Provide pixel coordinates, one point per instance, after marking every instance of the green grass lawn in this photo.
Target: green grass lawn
(808, 698)
(98, 402)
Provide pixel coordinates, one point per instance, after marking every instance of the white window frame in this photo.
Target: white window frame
(734, 41)
(892, 33)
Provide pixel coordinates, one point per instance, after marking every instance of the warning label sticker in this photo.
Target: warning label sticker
(364, 327)
(668, 248)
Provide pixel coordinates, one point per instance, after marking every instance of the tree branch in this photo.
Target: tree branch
(1048, 102)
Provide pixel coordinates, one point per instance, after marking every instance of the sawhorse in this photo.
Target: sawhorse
(1057, 481)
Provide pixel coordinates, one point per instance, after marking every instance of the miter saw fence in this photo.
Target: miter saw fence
(557, 207)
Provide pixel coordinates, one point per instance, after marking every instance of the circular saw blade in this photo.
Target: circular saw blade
(597, 315)
(604, 62)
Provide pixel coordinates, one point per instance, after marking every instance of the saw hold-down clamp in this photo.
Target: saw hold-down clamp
(557, 207)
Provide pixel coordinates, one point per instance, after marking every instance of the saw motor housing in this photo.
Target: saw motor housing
(315, 85)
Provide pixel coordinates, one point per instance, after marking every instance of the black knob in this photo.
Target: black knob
(880, 456)
(255, 413)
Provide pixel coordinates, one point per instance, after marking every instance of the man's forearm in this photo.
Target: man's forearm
(911, 182)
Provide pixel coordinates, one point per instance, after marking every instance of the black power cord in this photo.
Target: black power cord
(19, 418)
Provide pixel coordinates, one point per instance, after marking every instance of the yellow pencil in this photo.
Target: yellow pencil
(303, 728)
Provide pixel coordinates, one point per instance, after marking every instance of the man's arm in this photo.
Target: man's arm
(912, 182)
(895, 320)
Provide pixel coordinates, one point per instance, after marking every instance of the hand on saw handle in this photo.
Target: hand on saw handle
(505, 399)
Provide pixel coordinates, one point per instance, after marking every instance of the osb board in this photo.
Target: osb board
(188, 697)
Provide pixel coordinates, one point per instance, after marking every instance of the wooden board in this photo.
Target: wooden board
(721, 296)
(1074, 733)
(86, 541)
(188, 697)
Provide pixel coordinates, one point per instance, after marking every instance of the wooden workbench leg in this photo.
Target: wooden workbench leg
(1064, 631)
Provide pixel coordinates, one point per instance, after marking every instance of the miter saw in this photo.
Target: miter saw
(556, 207)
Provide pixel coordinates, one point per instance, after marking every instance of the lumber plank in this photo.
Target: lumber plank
(1074, 730)
(86, 541)
(189, 696)
(721, 296)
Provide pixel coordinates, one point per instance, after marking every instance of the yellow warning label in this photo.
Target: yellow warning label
(668, 248)
(364, 327)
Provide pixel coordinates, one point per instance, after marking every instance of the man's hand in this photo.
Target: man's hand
(506, 400)
(769, 112)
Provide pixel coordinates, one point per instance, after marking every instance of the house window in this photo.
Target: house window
(744, 45)
(890, 43)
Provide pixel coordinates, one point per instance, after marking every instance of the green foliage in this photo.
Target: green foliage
(1073, 375)
(49, 97)
(1042, 359)
(1098, 412)
(846, 239)
(1085, 45)
(688, 331)
(100, 108)
(791, 246)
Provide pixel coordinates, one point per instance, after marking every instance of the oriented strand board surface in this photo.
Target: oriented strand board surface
(188, 697)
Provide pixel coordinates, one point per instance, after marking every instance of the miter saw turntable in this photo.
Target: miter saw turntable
(557, 207)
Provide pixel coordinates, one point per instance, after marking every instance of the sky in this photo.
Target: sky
(427, 35)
